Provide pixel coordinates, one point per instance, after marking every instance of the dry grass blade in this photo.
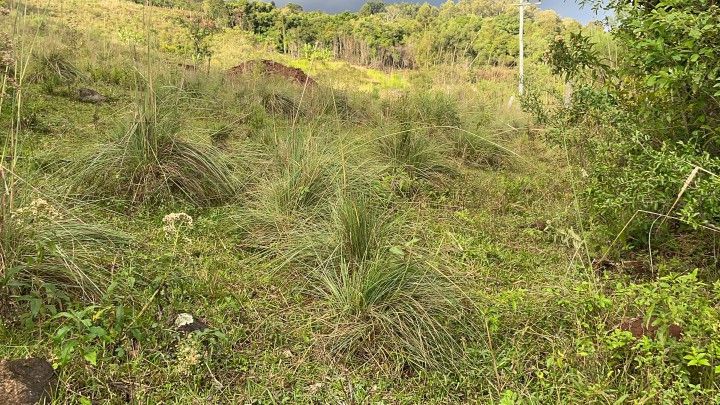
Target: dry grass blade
(684, 188)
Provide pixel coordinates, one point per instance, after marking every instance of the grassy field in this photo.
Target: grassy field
(383, 237)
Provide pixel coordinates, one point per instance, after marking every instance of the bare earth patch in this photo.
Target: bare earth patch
(270, 67)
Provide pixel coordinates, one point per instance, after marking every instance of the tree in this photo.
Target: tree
(199, 31)
(372, 7)
(218, 11)
(294, 8)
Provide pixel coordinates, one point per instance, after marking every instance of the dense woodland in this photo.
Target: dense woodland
(405, 35)
(233, 202)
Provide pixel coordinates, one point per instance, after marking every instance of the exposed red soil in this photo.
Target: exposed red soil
(273, 68)
(639, 328)
(26, 381)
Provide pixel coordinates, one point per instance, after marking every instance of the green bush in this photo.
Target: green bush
(645, 128)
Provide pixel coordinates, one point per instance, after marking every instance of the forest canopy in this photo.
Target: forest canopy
(402, 35)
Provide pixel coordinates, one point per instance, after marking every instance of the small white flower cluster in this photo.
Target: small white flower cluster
(188, 356)
(173, 223)
(183, 319)
(38, 209)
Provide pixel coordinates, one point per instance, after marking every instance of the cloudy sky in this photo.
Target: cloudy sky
(566, 8)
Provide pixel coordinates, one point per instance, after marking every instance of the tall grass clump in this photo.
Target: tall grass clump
(307, 174)
(383, 302)
(479, 150)
(55, 72)
(387, 311)
(298, 182)
(424, 109)
(149, 160)
(43, 245)
(416, 153)
(360, 228)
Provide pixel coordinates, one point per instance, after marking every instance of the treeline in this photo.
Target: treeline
(473, 32)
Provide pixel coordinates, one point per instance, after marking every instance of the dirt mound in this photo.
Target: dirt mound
(273, 68)
(25, 381)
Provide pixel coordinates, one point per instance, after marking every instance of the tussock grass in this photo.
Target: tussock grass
(40, 244)
(55, 71)
(416, 153)
(279, 104)
(308, 174)
(359, 227)
(284, 214)
(149, 160)
(424, 109)
(389, 312)
(479, 150)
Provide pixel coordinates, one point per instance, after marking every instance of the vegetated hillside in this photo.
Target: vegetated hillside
(401, 35)
(186, 218)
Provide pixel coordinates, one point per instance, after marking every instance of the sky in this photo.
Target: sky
(566, 8)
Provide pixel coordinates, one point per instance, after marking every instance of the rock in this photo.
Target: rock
(26, 381)
(187, 323)
(90, 96)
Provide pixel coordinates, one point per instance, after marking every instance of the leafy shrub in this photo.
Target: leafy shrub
(672, 350)
(645, 130)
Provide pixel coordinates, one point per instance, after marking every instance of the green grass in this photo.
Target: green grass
(44, 245)
(149, 161)
(385, 312)
(360, 229)
(394, 237)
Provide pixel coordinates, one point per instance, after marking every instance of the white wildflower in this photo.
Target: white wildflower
(38, 209)
(173, 223)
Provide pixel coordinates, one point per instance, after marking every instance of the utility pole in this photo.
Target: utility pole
(521, 62)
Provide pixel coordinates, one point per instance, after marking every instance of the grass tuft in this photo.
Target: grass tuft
(387, 312)
(40, 245)
(415, 153)
(359, 228)
(148, 160)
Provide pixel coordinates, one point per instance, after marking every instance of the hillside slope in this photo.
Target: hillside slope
(173, 233)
